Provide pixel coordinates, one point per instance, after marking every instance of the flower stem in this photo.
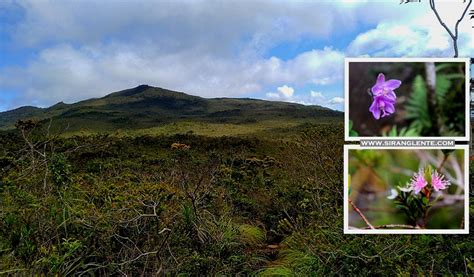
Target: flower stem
(445, 158)
(361, 214)
(390, 226)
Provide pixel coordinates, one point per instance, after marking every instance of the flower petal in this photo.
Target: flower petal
(391, 96)
(393, 194)
(377, 90)
(389, 108)
(407, 188)
(375, 110)
(393, 84)
(380, 79)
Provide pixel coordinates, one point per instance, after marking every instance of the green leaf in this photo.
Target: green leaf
(442, 86)
(454, 76)
(417, 106)
(352, 133)
(442, 66)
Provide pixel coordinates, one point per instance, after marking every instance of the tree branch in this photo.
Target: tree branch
(454, 36)
(370, 226)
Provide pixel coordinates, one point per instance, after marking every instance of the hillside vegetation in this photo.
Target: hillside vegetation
(149, 107)
(156, 200)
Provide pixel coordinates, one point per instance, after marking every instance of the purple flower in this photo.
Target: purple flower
(384, 96)
(382, 106)
(383, 87)
(418, 181)
(438, 182)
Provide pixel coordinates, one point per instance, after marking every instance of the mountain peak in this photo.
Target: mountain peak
(136, 90)
(142, 87)
(145, 106)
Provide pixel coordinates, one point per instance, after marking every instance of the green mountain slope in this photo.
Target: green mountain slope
(146, 107)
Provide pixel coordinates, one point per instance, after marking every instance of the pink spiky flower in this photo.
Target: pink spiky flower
(418, 181)
(438, 181)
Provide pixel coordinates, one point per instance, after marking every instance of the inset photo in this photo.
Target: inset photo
(407, 97)
(406, 191)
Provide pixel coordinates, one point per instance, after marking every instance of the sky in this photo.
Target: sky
(52, 51)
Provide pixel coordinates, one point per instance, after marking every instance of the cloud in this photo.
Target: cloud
(316, 94)
(272, 95)
(201, 22)
(175, 24)
(420, 36)
(286, 91)
(336, 100)
(393, 39)
(67, 73)
(83, 49)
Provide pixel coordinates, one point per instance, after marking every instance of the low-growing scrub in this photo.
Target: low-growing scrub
(105, 205)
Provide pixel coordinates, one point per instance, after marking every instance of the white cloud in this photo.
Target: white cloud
(394, 39)
(87, 49)
(67, 73)
(420, 36)
(286, 91)
(272, 95)
(316, 94)
(177, 23)
(311, 98)
(336, 100)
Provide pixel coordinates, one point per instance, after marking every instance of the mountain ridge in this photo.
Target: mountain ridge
(145, 106)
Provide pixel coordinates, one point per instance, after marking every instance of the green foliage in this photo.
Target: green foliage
(157, 109)
(268, 205)
(414, 207)
(449, 116)
(63, 260)
(417, 106)
(404, 132)
(60, 170)
(352, 132)
(251, 235)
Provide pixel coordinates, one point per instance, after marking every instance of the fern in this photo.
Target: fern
(443, 84)
(417, 106)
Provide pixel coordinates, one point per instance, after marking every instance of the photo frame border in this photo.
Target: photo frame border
(405, 231)
(466, 61)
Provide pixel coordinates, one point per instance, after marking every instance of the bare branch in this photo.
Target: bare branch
(454, 36)
(370, 226)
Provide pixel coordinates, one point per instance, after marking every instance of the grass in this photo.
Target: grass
(200, 128)
(244, 199)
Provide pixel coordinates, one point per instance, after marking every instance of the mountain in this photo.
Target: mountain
(145, 107)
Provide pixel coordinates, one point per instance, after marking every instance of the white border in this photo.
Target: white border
(346, 96)
(405, 231)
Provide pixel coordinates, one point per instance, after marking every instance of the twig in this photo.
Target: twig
(361, 214)
(454, 36)
(445, 158)
(151, 252)
(390, 226)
